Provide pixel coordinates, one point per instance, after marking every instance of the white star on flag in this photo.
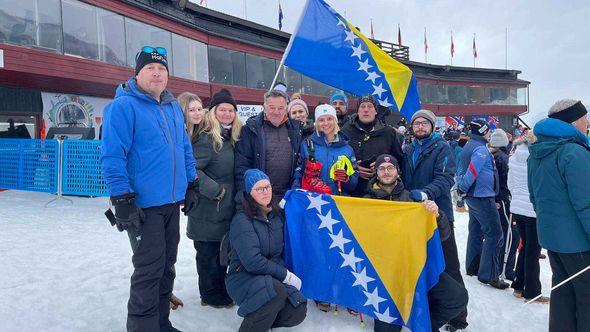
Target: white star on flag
(316, 202)
(372, 76)
(385, 317)
(327, 221)
(364, 65)
(350, 36)
(350, 260)
(374, 299)
(338, 241)
(385, 102)
(361, 279)
(358, 51)
(341, 23)
(378, 90)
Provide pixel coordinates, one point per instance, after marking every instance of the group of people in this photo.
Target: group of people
(159, 151)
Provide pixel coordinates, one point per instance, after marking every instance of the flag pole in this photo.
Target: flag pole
(288, 48)
(560, 284)
(245, 11)
(452, 47)
(425, 47)
(506, 49)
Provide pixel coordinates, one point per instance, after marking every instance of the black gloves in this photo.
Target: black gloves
(127, 213)
(191, 198)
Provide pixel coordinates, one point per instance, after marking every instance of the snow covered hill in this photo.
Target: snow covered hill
(64, 268)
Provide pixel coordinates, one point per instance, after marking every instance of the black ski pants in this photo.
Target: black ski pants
(528, 269)
(154, 253)
(569, 310)
(278, 312)
(211, 273)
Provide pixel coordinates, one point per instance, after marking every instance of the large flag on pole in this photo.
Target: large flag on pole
(328, 48)
(373, 256)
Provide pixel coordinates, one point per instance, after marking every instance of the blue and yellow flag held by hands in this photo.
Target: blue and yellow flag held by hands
(328, 48)
(377, 257)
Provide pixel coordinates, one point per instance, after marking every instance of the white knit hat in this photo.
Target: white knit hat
(325, 109)
(498, 139)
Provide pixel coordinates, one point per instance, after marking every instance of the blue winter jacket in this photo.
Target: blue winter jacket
(145, 148)
(327, 154)
(559, 186)
(256, 259)
(429, 165)
(477, 175)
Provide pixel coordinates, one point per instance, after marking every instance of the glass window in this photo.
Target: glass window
(139, 34)
(190, 58)
(80, 29)
(17, 126)
(307, 85)
(31, 23)
(260, 71)
(111, 37)
(291, 78)
(521, 96)
(227, 66)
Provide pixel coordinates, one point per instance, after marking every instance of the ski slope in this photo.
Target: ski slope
(64, 268)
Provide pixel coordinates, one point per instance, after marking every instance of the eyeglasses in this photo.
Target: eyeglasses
(386, 168)
(420, 124)
(266, 188)
(151, 49)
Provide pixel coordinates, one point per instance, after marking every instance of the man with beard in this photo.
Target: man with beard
(428, 173)
(340, 103)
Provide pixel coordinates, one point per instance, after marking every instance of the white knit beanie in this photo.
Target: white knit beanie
(498, 139)
(325, 109)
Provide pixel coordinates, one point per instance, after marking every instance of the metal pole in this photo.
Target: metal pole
(560, 284)
(506, 49)
(245, 11)
(59, 175)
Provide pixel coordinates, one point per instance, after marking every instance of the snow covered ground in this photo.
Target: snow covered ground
(64, 268)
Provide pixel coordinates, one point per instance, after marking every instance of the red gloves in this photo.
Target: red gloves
(340, 176)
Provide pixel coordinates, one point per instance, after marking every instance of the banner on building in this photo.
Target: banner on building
(246, 111)
(66, 110)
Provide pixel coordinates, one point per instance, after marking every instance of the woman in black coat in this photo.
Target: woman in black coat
(209, 221)
(266, 292)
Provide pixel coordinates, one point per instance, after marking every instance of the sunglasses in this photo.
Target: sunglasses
(151, 49)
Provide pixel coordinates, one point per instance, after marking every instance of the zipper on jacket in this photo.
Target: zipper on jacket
(171, 144)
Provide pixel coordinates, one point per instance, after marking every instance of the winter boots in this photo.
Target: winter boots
(311, 178)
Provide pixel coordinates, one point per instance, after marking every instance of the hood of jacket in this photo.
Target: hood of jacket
(552, 134)
(131, 88)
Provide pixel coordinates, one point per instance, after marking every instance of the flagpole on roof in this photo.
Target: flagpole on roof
(425, 47)
(288, 48)
(474, 50)
(506, 50)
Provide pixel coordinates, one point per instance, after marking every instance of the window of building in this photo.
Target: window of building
(227, 66)
(80, 29)
(35, 23)
(291, 78)
(18, 126)
(111, 37)
(138, 34)
(260, 71)
(190, 58)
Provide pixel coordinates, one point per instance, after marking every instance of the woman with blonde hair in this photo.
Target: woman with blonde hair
(193, 110)
(209, 221)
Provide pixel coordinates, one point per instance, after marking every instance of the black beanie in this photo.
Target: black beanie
(142, 59)
(222, 96)
(366, 98)
(386, 158)
(479, 127)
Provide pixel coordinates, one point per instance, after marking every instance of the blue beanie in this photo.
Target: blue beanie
(252, 176)
(338, 96)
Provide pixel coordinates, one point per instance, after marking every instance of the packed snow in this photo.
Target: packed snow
(64, 268)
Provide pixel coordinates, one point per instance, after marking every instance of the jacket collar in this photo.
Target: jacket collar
(380, 193)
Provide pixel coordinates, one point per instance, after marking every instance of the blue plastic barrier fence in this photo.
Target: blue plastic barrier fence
(81, 168)
(29, 164)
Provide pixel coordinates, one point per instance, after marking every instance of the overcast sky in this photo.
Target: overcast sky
(547, 40)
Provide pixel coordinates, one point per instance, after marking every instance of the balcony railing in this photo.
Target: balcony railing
(394, 50)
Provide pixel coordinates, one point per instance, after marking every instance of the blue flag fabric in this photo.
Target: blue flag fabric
(377, 257)
(330, 49)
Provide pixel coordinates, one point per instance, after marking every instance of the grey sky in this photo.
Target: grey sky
(547, 40)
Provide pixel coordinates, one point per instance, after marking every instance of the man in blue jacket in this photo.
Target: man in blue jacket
(559, 188)
(148, 164)
(428, 172)
(477, 180)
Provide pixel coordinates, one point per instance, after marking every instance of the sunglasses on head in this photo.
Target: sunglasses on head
(151, 49)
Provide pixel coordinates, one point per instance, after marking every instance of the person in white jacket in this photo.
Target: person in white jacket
(527, 283)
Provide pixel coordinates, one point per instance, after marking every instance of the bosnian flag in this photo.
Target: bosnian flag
(474, 48)
(452, 45)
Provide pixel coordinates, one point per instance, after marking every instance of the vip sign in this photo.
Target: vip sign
(1, 58)
(246, 111)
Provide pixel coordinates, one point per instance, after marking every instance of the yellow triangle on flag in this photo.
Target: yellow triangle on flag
(394, 237)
